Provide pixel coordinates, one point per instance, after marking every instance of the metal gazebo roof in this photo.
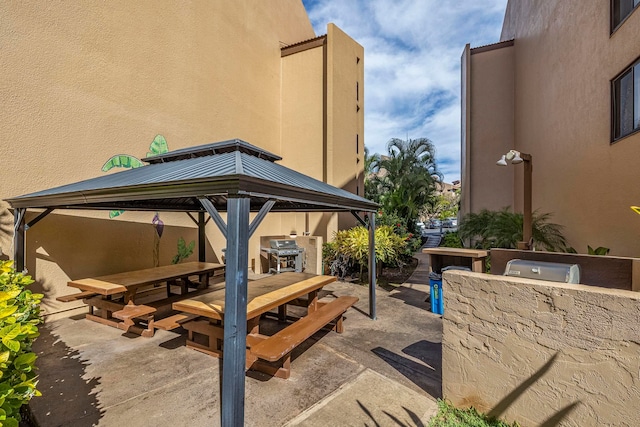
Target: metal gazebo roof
(175, 180)
(232, 176)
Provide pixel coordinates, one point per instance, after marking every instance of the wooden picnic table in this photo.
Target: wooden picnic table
(102, 292)
(263, 295)
(128, 283)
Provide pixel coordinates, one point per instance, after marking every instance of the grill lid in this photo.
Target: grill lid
(551, 271)
(283, 244)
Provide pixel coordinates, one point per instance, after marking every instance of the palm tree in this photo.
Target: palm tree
(370, 171)
(404, 181)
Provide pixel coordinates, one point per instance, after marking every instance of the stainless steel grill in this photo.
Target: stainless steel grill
(551, 271)
(284, 255)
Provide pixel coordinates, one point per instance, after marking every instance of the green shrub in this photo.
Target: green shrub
(349, 251)
(19, 317)
(451, 239)
(600, 250)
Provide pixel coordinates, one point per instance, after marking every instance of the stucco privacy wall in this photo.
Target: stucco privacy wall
(498, 334)
(86, 80)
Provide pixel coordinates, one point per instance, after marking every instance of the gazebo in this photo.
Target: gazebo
(230, 176)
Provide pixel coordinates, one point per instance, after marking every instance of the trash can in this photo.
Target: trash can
(437, 303)
(435, 288)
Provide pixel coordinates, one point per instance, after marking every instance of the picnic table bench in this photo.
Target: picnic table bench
(278, 347)
(206, 333)
(115, 295)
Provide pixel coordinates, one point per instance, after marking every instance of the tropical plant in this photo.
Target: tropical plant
(184, 250)
(600, 250)
(451, 239)
(19, 317)
(399, 227)
(348, 253)
(503, 229)
(404, 180)
(370, 184)
(442, 206)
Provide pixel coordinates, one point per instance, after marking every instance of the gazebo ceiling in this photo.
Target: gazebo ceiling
(175, 180)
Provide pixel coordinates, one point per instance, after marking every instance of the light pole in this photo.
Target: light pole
(516, 157)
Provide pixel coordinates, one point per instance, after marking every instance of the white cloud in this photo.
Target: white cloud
(412, 64)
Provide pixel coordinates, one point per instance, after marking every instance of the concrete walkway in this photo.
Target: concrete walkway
(385, 372)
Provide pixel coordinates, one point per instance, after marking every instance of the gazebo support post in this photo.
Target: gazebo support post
(372, 265)
(202, 256)
(214, 214)
(235, 313)
(19, 238)
(264, 210)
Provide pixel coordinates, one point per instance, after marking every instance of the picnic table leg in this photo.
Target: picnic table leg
(204, 281)
(253, 325)
(312, 302)
(129, 296)
(282, 313)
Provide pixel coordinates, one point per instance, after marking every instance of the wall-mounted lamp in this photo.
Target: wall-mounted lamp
(293, 234)
(516, 157)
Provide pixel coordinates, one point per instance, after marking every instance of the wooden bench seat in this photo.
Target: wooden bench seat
(278, 347)
(75, 297)
(173, 322)
(130, 312)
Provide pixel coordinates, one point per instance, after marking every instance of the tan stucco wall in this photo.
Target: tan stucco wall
(499, 332)
(82, 82)
(564, 61)
(491, 129)
(345, 72)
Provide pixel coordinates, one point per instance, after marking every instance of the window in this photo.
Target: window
(626, 102)
(620, 9)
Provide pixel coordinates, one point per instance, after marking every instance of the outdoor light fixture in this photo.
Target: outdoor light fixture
(513, 155)
(516, 157)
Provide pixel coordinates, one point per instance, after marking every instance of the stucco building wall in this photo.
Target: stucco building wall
(564, 58)
(83, 82)
(500, 336)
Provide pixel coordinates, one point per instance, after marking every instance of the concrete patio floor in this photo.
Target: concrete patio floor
(385, 372)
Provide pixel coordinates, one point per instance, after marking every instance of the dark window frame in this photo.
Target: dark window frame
(614, 26)
(634, 67)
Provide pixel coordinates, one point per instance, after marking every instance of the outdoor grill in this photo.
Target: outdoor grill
(551, 271)
(284, 255)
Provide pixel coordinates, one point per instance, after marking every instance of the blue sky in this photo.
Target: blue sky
(412, 64)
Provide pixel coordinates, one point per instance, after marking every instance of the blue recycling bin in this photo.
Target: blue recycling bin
(437, 301)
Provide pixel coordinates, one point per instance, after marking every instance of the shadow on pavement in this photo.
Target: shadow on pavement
(413, 297)
(414, 417)
(61, 372)
(426, 375)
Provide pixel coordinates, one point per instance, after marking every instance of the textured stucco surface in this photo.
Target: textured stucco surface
(563, 62)
(498, 334)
